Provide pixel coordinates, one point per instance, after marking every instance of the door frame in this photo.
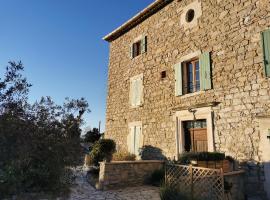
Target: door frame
(186, 115)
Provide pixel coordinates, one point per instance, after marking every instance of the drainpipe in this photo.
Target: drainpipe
(194, 120)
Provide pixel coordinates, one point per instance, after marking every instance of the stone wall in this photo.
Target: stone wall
(236, 180)
(230, 30)
(254, 179)
(127, 173)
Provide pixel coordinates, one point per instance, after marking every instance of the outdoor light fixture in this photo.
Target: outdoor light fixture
(268, 135)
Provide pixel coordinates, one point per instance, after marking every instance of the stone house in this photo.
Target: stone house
(193, 75)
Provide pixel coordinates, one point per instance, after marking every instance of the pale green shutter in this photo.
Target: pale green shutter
(137, 92)
(137, 136)
(132, 137)
(132, 92)
(131, 51)
(205, 71)
(266, 51)
(178, 79)
(144, 44)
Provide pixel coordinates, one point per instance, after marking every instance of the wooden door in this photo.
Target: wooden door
(199, 139)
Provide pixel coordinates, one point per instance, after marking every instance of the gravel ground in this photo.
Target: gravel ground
(81, 190)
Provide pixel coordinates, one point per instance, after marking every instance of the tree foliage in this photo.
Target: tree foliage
(102, 150)
(37, 141)
(92, 136)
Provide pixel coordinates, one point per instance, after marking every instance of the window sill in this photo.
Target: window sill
(136, 57)
(192, 94)
(133, 107)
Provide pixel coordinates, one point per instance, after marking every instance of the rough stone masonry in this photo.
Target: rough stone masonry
(231, 32)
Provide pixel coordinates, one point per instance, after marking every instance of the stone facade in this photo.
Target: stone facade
(238, 105)
(231, 31)
(122, 174)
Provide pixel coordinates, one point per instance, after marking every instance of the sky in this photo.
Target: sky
(60, 44)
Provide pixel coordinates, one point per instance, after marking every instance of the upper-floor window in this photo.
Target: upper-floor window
(139, 47)
(193, 75)
(136, 91)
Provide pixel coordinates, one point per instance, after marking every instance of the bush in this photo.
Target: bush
(123, 156)
(102, 150)
(186, 158)
(156, 178)
(92, 136)
(167, 192)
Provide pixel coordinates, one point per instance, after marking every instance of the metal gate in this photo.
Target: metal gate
(196, 182)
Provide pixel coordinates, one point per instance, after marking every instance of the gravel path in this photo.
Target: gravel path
(83, 191)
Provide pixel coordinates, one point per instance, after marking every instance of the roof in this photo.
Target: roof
(137, 19)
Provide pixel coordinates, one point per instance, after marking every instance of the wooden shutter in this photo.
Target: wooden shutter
(178, 79)
(132, 139)
(132, 92)
(131, 54)
(266, 51)
(144, 44)
(137, 136)
(138, 90)
(205, 71)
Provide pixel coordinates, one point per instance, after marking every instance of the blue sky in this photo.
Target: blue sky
(60, 43)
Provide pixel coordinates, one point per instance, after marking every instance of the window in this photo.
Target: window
(190, 15)
(134, 139)
(193, 75)
(136, 90)
(139, 47)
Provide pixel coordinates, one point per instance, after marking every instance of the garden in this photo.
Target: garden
(118, 169)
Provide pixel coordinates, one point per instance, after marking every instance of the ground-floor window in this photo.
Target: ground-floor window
(195, 135)
(134, 139)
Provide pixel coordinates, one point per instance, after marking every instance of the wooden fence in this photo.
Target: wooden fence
(196, 182)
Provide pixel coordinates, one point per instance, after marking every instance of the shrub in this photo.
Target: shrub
(102, 150)
(156, 178)
(185, 158)
(167, 192)
(123, 156)
(92, 136)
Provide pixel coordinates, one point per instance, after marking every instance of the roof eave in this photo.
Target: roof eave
(137, 19)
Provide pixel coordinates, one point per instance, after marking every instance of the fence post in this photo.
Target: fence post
(222, 182)
(191, 181)
(165, 167)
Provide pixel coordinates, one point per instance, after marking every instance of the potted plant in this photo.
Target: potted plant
(214, 160)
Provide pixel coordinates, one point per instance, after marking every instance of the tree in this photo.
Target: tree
(92, 136)
(37, 141)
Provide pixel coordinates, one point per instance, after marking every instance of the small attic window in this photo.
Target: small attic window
(190, 15)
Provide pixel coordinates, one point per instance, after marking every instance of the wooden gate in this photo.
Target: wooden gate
(196, 182)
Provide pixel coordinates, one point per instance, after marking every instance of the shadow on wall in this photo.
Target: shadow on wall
(149, 152)
(257, 179)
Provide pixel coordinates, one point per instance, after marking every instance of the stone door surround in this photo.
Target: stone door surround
(187, 115)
